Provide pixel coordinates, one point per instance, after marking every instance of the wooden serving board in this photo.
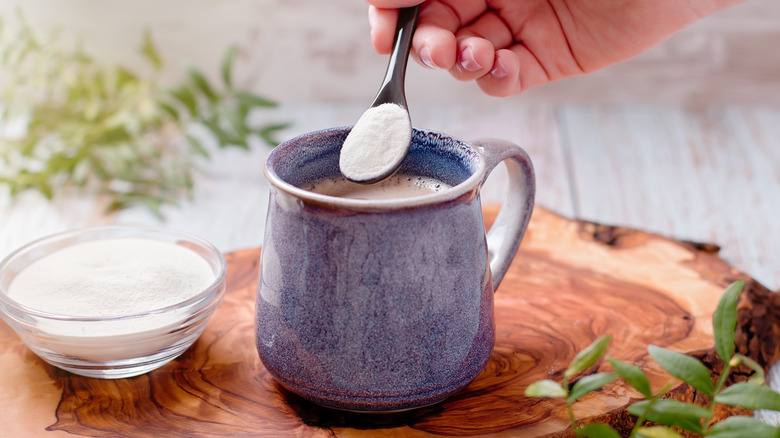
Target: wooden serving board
(571, 282)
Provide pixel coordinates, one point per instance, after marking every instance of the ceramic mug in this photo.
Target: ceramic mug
(384, 305)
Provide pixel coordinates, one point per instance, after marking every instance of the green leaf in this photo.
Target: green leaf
(741, 427)
(197, 146)
(268, 132)
(187, 98)
(686, 368)
(202, 84)
(545, 388)
(657, 432)
(671, 413)
(45, 188)
(589, 383)
(750, 396)
(236, 121)
(597, 430)
(633, 375)
(171, 111)
(252, 100)
(228, 129)
(223, 138)
(116, 205)
(227, 66)
(124, 77)
(587, 357)
(80, 173)
(724, 320)
(112, 135)
(759, 377)
(104, 129)
(149, 50)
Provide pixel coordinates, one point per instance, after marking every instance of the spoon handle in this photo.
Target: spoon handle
(392, 89)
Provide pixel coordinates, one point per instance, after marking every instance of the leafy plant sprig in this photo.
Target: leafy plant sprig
(67, 120)
(671, 414)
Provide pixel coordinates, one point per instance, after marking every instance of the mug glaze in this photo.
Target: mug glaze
(378, 306)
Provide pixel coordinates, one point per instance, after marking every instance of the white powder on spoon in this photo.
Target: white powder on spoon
(377, 144)
(111, 277)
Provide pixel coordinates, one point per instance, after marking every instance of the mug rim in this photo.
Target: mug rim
(466, 186)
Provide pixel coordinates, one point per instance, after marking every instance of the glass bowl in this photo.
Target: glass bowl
(115, 346)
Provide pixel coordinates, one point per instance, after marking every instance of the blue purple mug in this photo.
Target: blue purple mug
(378, 306)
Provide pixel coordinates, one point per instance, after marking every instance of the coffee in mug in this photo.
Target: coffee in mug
(395, 187)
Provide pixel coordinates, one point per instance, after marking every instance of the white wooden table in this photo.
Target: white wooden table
(708, 175)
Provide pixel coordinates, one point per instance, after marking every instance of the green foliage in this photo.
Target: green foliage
(545, 388)
(724, 320)
(758, 376)
(104, 129)
(686, 368)
(741, 427)
(588, 384)
(587, 357)
(671, 414)
(633, 375)
(657, 432)
(750, 396)
(597, 430)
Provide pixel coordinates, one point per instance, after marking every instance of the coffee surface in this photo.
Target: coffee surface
(394, 187)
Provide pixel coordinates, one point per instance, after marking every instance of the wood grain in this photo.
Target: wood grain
(571, 282)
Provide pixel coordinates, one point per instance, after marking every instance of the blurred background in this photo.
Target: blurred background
(299, 50)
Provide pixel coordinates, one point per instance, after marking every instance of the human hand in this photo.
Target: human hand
(509, 46)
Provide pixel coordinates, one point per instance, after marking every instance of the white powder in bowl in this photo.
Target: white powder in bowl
(377, 144)
(111, 277)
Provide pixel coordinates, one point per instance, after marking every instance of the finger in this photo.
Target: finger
(434, 43)
(434, 47)
(477, 44)
(490, 27)
(393, 4)
(514, 70)
(382, 23)
(502, 81)
(475, 58)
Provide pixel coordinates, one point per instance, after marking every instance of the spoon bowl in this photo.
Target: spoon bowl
(379, 141)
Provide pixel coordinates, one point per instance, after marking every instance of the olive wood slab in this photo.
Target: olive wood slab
(571, 282)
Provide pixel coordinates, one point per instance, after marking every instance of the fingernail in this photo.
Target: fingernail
(425, 57)
(467, 61)
(499, 71)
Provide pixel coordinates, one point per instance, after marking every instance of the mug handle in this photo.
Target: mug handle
(507, 231)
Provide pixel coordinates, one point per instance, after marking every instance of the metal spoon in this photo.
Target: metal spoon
(367, 155)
